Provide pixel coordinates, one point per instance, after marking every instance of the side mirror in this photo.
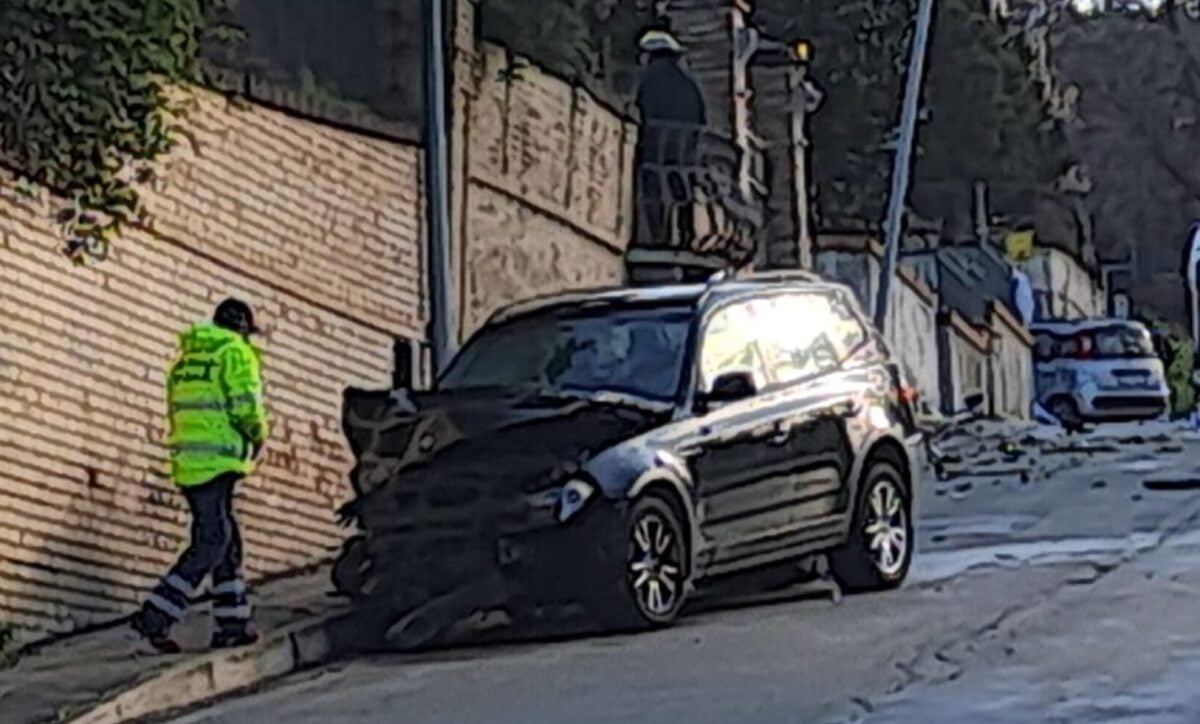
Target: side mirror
(973, 402)
(728, 387)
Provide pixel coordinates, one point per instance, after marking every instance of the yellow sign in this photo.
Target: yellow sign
(1018, 245)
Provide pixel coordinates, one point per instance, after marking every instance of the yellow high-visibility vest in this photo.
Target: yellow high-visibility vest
(215, 403)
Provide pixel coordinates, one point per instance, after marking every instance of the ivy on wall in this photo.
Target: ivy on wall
(85, 103)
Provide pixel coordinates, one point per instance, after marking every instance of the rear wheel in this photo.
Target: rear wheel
(1067, 412)
(879, 551)
(650, 587)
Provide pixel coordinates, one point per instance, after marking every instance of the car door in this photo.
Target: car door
(724, 447)
(808, 400)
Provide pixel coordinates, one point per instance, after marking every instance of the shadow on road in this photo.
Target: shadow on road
(500, 632)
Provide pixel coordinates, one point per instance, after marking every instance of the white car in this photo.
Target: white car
(1099, 369)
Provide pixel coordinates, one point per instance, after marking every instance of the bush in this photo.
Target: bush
(1174, 348)
(8, 653)
(84, 103)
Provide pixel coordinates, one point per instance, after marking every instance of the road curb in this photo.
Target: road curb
(212, 675)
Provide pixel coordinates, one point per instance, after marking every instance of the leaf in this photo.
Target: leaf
(81, 93)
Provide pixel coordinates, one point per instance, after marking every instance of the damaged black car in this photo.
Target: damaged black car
(615, 450)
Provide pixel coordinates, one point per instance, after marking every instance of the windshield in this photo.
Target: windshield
(1115, 342)
(637, 352)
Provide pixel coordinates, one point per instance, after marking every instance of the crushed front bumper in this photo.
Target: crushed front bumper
(430, 572)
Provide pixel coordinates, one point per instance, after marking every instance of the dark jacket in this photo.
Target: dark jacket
(672, 111)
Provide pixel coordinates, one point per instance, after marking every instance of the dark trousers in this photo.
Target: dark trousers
(216, 549)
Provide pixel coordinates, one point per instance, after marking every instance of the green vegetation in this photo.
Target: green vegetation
(983, 115)
(1174, 347)
(593, 42)
(85, 105)
(8, 653)
(983, 118)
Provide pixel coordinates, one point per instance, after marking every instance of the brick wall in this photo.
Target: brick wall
(321, 231)
(318, 229)
(549, 186)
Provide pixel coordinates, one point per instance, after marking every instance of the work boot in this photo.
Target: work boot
(233, 639)
(159, 640)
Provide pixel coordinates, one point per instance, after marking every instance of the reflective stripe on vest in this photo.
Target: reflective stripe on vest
(191, 405)
(204, 448)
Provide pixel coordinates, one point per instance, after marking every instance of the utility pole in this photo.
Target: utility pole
(437, 187)
(983, 229)
(903, 160)
(1193, 280)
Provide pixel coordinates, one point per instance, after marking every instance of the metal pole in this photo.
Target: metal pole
(800, 110)
(1191, 256)
(903, 160)
(437, 187)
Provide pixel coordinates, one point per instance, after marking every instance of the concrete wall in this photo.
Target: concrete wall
(852, 260)
(1012, 390)
(1062, 287)
(912, 310)
(549, 202)
(318, 229)
(965, 364)
(912, 334)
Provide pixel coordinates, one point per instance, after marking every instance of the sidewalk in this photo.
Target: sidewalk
(67, 678)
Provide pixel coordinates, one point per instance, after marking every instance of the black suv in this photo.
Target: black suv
(619, 448)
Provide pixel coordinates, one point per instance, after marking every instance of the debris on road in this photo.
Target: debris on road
(1184, 484)
(1026, 449)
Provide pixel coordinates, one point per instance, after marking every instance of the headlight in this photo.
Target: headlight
(573, 496)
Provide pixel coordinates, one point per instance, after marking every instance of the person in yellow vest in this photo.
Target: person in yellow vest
(218, 425)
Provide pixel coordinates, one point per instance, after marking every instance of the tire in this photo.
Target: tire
(858, 565)
(1067, 411)
(352, 568)
(647, 580)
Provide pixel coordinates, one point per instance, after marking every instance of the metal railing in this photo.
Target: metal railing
(689, 204)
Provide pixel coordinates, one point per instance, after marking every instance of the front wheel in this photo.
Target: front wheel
(649, 589)
(879, 551)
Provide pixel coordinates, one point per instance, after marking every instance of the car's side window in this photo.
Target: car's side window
(847, 328)
(798, 338)
(809, 333)
(730, 344)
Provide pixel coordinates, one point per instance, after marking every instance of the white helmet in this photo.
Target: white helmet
(660, 41)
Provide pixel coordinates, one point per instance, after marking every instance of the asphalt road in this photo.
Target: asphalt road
(1064, 594)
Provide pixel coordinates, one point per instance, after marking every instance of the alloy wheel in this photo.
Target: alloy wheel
(887, 528)
(655, 565)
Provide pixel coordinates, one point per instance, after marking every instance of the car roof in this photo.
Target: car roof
(1074, 326)
(674, 295)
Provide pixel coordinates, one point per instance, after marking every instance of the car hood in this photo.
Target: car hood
(516, 441)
